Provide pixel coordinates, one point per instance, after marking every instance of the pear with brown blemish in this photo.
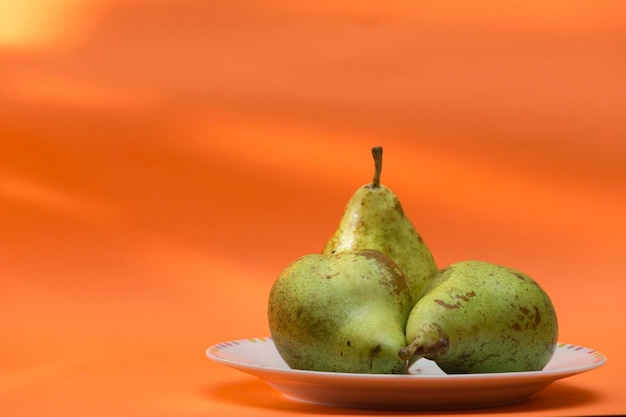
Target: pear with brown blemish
(340, 313)
(374, 219)
(477, 317)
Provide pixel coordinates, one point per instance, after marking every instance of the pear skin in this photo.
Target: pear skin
(340, 313)
(477, 317)
(374, 219)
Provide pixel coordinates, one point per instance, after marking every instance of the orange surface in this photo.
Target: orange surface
(161, 162)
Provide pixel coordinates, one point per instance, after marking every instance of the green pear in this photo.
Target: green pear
(340, 313)
(374, 219)
(476, 317)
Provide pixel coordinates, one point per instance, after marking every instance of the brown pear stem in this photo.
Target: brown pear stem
(416, 348)
(407, 352)
(377, 153)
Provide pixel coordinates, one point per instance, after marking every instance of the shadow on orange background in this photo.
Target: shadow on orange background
(160, 163)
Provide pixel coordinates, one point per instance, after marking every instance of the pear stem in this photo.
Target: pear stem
(377, 153)
(407, 352)
(416, 348)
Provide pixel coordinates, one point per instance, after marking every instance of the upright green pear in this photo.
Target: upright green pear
(476, 317)
(374, 219)
(340, 313)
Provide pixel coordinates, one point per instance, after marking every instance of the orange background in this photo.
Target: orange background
(161, 162)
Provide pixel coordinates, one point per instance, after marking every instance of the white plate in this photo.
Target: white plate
(426, 387)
